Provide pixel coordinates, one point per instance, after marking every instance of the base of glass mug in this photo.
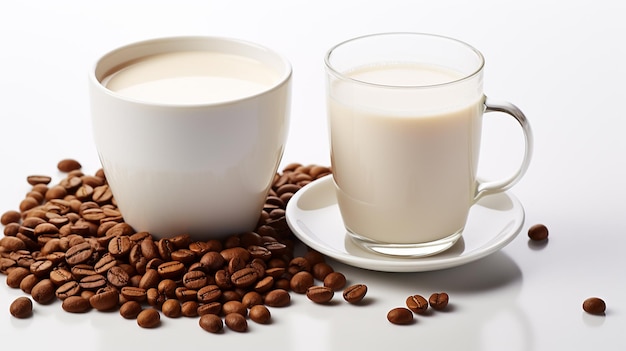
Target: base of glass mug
(406, 250)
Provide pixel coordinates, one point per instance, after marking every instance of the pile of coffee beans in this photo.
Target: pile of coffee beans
(69, 242)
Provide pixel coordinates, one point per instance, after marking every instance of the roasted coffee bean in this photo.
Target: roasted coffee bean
(150, 279)
(185, 256)
(594, 305)
(211, 323)
(244, 278)
(335, 281)
(105, 299)
(78, 253)
(167, 287)
(236, 322)
(149, 318)
(184, 294)
(320, 294)
(171, 308)
(195, 280)
(120, 246)
(538, 232)
(21, 307)
(252, 298)
(80, 271)
(155, 298)
(189, 309)
(234, 307)
(165, 248)
(117, 277)
(400, 315)
(209, 293)
(260, 314)
(240, 252)
(210, 308)
(132, 293)
(321, 270)
(70, 288)
(278, 298)
(130, 309)
(10, 216)
(235, 264)
(355, 293)
(60, 276)
(29, 281)
(171, 270)
(76, 304)
(15, 276)
(264, 285)
(212, 260)
(11, 243)
(43, 292)
(417, 304)
(438, 301)
(93, 282)
(68, 164)
(301, 281)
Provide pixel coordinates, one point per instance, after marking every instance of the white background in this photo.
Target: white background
(562, 63)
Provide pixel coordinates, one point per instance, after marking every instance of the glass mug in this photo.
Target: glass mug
(405, 119)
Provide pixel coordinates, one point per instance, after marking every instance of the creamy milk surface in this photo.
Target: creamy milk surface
(404, 164)
(191, 77)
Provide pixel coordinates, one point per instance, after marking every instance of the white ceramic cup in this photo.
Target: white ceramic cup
(405, 116)
(194, 167)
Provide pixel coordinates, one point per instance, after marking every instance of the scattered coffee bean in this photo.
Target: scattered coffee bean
(149, 318)
(400, 315)
(260, 314)
(130, 309)
(43, 292)
(171, 308)
(538, 232)
(320, 294)
(236, 322)
(594, 305)
(76, 304)
(278, 298)
(67, 165)
(355, 293)
(438, 301)
(211, 323)
(21, 307)
(417, 304)
(301, 281)
(335, 281)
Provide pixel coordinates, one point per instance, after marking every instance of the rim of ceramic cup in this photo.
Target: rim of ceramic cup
(341, 75)
(126, 54)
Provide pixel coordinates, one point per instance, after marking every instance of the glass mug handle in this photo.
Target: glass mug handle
(492, 187)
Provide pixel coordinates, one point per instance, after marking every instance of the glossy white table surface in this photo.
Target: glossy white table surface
(561, 63)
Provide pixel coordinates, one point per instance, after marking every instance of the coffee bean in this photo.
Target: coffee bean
(277, 298)
(171, 308)
(171, 270)
(67, 165)
(76, 304)
(594, 305)
(538, 232)
(234, 307)
(15, 276)
(209, 293)
(211, 323)
(29, 281)
(244, 278)
(93, 282)
(260, 314)
(11, 243)
(214, 307)
(320, 294)
(21, 307)
(417, 304)
(78, 253)
(70, 288)
(117, 277)
(355, 293)
(120, 246)
(335, 281)
(321, 270)
(149, 318)
(105, 299)
(132, 293)
(43, 292)
(130, 309)
(400, 315)
(301, 281)
(189, 309)
(438, 301)
(236, 322)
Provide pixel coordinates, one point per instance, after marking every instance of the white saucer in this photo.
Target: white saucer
(313, 216)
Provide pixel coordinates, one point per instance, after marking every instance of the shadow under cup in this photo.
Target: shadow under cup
(405, 113)
(191, 167)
